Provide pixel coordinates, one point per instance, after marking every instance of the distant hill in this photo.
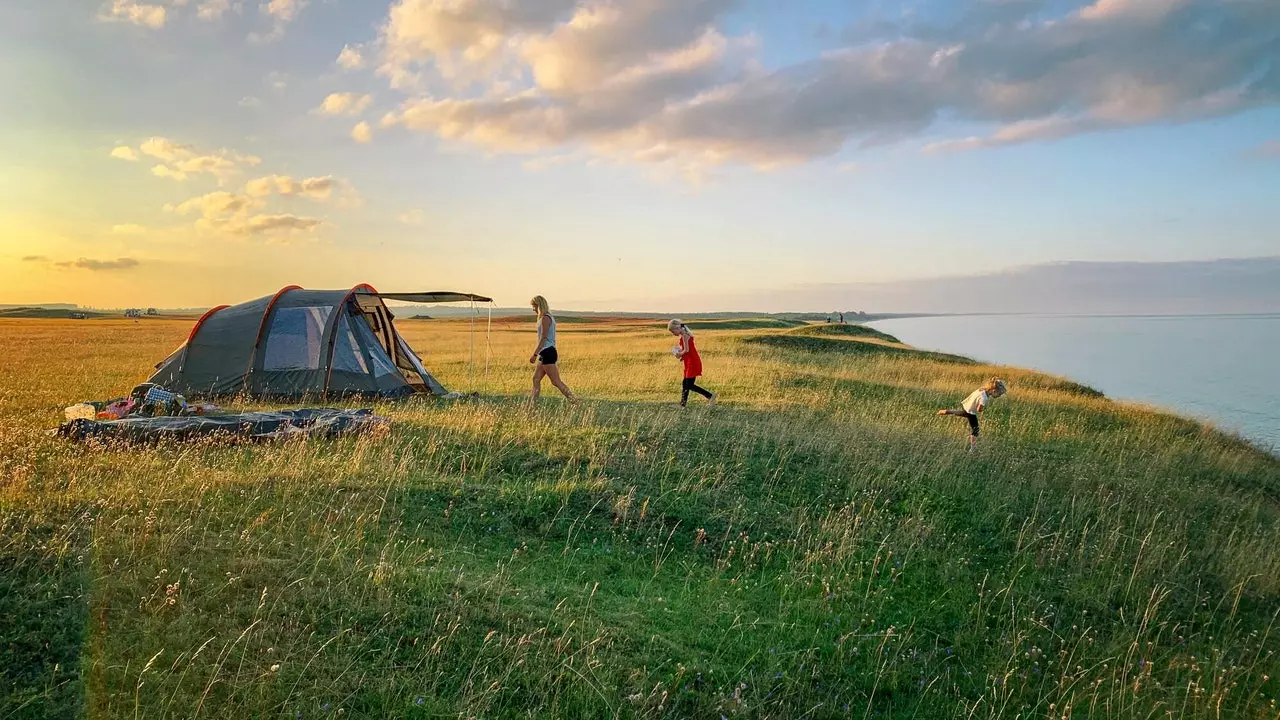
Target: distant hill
(48, 313)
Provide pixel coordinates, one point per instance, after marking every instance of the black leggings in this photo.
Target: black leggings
(692, 384)
(973, 421)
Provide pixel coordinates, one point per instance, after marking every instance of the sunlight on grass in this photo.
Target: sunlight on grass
(818, 545)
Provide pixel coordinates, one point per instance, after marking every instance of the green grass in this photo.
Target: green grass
(820, 545)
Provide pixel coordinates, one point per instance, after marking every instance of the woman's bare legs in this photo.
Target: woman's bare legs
(538, 372)
(553, 372)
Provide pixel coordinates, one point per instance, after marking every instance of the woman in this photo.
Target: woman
(544, 356)
(687, 353)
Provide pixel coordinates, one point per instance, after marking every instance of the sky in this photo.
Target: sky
(623, 154)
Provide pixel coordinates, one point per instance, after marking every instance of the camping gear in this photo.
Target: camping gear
(269, 425)
(81, 411)
(117, 409)
(300, 344)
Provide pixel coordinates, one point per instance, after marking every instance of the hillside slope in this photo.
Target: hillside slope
(818, 545)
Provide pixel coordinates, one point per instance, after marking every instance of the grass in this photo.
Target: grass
(818, 545)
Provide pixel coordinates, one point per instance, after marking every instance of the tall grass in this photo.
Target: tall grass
(819, 545)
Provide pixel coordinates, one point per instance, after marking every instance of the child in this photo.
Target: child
(687, 352)
(975, 404)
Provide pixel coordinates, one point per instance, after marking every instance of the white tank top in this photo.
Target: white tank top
(550, 339)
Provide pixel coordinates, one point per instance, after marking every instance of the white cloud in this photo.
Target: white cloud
(350, 58)
(249, 101)
(413, 218)
(345, 104)
(151, 16)
(212, 9)
(282, 12)
(362, 133)
(124, 153)
(164, 171)
(182, 161)
(660, 80)
(320, 189)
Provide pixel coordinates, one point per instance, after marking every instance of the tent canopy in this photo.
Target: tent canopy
(434, 297)
(299, 344)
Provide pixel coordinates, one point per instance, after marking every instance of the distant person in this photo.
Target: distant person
(841, 318)
(687, 353)
(977, 402)
(545, 356)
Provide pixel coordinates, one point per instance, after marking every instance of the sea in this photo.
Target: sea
(1223, 369)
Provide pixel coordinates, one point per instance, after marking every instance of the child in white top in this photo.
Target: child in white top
(975, 404)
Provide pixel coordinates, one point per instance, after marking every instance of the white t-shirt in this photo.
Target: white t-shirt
(977, 399)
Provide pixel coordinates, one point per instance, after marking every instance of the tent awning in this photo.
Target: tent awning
(434, 297)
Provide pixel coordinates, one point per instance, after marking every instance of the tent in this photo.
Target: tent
(303, 344)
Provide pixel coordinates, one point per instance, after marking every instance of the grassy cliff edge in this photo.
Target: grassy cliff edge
(820, 545)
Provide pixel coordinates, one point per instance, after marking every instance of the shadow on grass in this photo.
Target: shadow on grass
(832, 346)
(42, 604)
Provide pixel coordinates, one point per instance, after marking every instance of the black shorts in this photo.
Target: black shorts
(973, 422)
(548, 356)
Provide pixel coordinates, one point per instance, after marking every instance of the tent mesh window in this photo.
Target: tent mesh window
(347, 354)
(295, 338)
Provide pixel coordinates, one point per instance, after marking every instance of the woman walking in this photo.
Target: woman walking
(687, 352)
(545, 357)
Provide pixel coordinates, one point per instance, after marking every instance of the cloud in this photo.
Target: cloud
(314, 188)
(150, 16)
(269, 224)
(413, 218)
(282, 12)
(182, 161)
(35, 258)
(350, 58)
(164, 171)
(124, 263)
(345, 104)
(128, 229)
(213, 9)
(237, 215)
(124, 153)
(1269, 149)
(663, 80)
(249, 101)
(362, 133)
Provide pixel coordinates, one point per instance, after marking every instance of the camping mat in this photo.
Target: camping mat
(267, 425)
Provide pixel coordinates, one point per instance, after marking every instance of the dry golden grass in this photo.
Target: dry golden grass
(819, 545)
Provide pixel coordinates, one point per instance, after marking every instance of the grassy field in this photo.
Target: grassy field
(818, 545)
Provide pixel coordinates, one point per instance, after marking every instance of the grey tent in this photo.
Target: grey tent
(303, 343)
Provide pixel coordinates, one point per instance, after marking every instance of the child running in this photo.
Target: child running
(545, 356)
(975, 404)
(687, 352)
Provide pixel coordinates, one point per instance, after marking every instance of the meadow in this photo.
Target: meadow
(817, 545)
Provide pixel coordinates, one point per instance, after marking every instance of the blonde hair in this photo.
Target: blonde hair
(675, 324)
(539, 304)
(995, 386)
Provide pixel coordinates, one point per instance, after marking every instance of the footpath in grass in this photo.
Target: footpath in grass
(818, 546)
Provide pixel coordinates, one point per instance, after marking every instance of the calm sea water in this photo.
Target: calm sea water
(1224, 369)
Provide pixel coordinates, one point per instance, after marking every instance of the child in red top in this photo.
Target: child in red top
(687, 352)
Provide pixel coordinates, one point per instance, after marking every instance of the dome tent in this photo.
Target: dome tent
(303, 343)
